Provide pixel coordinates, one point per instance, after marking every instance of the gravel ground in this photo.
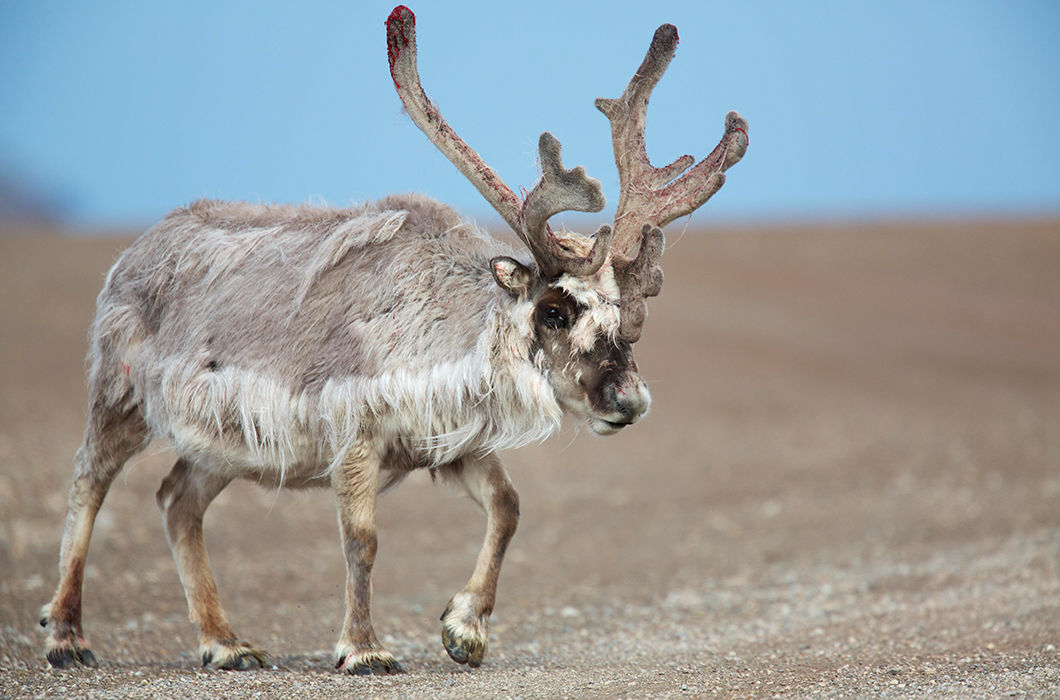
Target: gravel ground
(849, 485)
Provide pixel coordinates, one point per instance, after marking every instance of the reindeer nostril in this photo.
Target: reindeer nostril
(628, 402)
(620, 403)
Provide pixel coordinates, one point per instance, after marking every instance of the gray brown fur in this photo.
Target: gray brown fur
(343, 348)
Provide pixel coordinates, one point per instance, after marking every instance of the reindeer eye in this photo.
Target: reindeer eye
(555, 319)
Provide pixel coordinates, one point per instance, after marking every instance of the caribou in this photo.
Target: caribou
(301, 346)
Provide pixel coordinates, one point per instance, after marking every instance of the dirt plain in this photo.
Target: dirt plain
(849, 485)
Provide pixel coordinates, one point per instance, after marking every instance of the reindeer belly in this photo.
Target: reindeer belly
(297, 464)
(249, 425)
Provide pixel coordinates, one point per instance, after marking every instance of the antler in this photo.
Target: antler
(401, 50)
(559, 189)
(651, 197)
(562, 190)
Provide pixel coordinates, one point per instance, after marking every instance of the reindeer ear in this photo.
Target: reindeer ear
(512, 276)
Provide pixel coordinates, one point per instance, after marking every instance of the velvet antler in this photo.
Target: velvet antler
(652, 197)
(562, 190)
(559, 189)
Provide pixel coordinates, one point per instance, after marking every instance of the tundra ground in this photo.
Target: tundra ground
(849, 484)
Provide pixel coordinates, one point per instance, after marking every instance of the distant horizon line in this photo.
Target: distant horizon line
(496, 226)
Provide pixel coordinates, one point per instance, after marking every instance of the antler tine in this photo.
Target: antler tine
(639, 280)
(646, 197)
(401, 49)
(562, 190)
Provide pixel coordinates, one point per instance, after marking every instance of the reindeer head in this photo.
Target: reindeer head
(588, 293)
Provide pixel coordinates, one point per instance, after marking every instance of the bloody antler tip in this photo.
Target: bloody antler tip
(401, 14)
(401, 22)
(733, 123)
(400, 31)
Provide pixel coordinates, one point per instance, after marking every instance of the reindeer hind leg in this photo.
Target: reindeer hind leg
(183, 498)
(114, 434)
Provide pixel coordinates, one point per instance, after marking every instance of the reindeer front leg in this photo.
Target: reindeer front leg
(465, 622)
(356, 485)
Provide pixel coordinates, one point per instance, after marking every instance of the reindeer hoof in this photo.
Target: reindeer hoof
(465, 635)
(238, 656)
(71, 655)
(368, 663)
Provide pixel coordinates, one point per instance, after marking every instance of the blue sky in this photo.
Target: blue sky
(124, 110)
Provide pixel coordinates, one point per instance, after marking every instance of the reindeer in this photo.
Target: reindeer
(308, 347)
